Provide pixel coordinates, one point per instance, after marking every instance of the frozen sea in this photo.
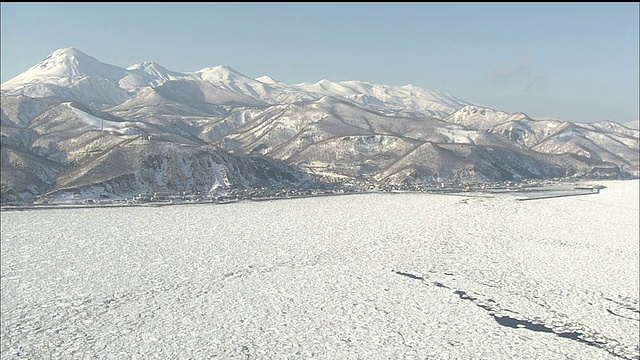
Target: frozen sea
(374, 276)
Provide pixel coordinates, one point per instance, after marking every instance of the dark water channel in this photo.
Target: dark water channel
(492, 308)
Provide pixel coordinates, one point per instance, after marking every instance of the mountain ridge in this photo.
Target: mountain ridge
(62, 112)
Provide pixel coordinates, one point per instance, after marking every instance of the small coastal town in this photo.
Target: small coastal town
(533, 188)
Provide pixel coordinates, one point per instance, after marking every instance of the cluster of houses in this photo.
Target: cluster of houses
(223, 195)
(227, 195)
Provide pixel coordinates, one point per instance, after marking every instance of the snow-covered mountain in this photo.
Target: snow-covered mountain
(146, 73)
(67, 149)
(482, 118)
(604, 140)
(68, 123)
(633, 124)
(405, 100)
(69, 74)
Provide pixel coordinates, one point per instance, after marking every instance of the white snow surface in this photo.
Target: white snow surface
(97, 123)
(373, 276)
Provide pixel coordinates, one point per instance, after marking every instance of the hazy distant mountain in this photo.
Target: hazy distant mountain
(633, 124)
(74, 125)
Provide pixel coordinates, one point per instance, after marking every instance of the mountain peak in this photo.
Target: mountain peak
(225, 68)
(482, 117)
(65, 64)
(66, 60)
(70, 57)
(219, 69)
(267, 79)
(145, 64)
(71, 51)
(70, 74)
(152, 73)
(325, 82)
(219, 73)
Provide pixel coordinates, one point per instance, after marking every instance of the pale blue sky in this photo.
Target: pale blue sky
(571, 61)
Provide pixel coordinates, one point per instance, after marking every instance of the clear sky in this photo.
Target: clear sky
(570, 61)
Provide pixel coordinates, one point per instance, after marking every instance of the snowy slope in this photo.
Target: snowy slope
(633, 124)
(611, 128)
(529, 132)
(20, 110)
(147, 73)
(183, 98)
(482, 118)
(270, 92)
(148, 167)
(63, 67)
(346, 140)
(602, 141)
(405, 100)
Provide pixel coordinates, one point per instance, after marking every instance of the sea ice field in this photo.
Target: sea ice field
(369, 276)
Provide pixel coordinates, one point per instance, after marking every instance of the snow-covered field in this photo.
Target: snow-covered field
(373, 276)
